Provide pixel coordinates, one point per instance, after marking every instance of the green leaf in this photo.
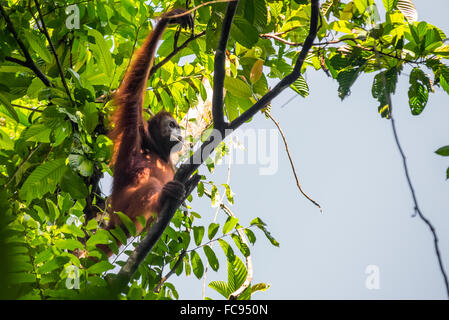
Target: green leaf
(19, 278)
(92, 224)
(100, 237)
(38, 133)
(236, 274)
(261, 225)
(73, 184)
(198, 233)
(255, 12)
(230, 223)
(228, 251)
(346, 79)
(4, 100)
(100, 267)
(389, 4)
(53, 211)
(251, 236)
(300, 87)
(229, 193)
(73, 229)
(82, 165)
(241, 245)
(197, 264)
(118, 233)
(444, 77)
(244, 32)
(129, 224)
(419, 91)
(384, 84)
(69, 244)
(200, 189)
(221, 287)
(52, 264)
(212, 230)
(443, 151)
(38, 45)
(237, 87)
(101, 52)
(211, 257)
(259, 287)
(43, 179)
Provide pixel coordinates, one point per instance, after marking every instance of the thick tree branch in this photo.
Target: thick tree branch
(29, 63)
(186, 170)
(219, 68)
(53, 50)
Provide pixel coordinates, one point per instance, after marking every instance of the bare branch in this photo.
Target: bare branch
(410, 185)
(268, 114)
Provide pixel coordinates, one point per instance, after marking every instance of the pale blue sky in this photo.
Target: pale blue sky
(347, 160)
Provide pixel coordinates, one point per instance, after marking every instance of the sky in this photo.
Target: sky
(347, 160)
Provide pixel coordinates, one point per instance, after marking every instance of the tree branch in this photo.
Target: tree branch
(174, 52)
(219, 68)
(268, 114)
(53, 50)
(249, 262)
(289, 79)
(276, 36)
(170, 273)
(29, 63)
(186, 170)
(410, 185)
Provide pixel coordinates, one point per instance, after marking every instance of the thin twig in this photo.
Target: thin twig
(24, 107)
(53, 50)
(410, 185)
(209, 194)
(268, 114)
(199, 6)
(275, 36)
(174, 52)
(416, 208)
(249, 262)
(170, 273)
